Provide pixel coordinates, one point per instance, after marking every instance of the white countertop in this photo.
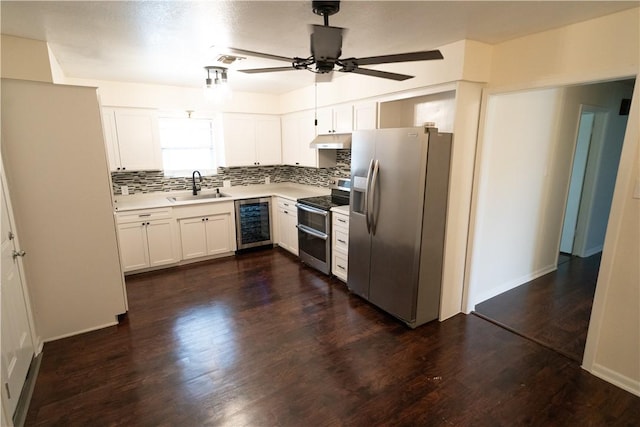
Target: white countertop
(341, 209)
(288, 190)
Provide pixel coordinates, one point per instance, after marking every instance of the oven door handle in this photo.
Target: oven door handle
(312, 232)
(312, 210)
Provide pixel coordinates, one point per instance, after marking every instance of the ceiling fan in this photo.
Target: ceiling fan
(326, 49)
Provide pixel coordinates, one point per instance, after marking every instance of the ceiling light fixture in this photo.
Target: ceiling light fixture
(220, 76)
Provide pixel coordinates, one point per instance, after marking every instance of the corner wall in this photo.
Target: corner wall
(602, 49)
(25, 59)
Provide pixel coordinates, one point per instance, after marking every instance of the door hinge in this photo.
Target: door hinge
(11, 235)
(6, 386)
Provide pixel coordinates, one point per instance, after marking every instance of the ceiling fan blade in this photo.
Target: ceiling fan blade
(400, 57)
(266, 70)
(324, 77)
(259, 54)
(383, 74)
(326, 42)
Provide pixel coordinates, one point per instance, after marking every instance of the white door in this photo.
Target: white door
(579, 168)
(161, 241)
(17, 341)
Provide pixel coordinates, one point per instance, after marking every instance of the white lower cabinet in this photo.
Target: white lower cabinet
(340, 244)
(146, 242)
(287, 217)
(206, 230)
(204, 236)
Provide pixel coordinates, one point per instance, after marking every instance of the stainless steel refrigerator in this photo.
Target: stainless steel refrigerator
(400, 181)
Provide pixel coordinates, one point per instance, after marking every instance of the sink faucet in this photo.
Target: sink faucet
(194, 188)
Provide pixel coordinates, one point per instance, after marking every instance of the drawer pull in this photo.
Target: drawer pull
(341, 267)
(143, 215)
(342, 220)
(342, 241)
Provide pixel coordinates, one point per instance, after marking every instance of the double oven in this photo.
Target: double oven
(314, 224)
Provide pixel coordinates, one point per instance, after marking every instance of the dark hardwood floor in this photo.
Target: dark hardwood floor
(553, 310)
(260, 340)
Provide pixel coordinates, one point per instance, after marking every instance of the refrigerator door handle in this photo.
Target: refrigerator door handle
(366, 196)
(374, 182)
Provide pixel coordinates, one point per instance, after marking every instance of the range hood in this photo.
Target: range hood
(334, 141)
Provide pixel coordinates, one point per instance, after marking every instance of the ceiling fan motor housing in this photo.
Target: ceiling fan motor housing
(325, 8)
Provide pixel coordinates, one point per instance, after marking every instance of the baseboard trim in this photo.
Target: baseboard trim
(20, 415)
(615, 378)
(511, 285)
(71, 334)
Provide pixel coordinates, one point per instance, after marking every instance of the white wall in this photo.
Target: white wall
(597, 50)
(613, 343)
(56, 167)
(604, 155)
(512, 213)
(463, 60)
(25, 59)
(122, 94)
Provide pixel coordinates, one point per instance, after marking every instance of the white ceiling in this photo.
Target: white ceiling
(169, 42)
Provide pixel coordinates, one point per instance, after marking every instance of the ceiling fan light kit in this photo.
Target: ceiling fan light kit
(326, 50)
(220, 76)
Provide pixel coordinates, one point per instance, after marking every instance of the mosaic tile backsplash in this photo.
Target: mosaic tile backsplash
(155, 181)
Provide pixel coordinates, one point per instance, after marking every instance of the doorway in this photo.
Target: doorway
(540, 195)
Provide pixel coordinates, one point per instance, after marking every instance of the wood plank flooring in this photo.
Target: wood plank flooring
(261, 340)
(553, 310)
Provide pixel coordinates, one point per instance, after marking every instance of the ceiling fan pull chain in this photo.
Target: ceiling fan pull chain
(315, 109)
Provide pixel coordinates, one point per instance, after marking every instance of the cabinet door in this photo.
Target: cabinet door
(133, 246)
(239, 140)
(138, 140)
(162, 244)
(193, 237)
(325, 121)
(268, 141)
(290, 231)
(111, 139)
(365, 116)
(343, 118)
(306, 133)
(290, 140)
(219, 234)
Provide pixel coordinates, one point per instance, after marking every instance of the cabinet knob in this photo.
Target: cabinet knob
(202, 219)
(206, 219)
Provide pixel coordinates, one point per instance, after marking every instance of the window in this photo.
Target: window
(187, 145)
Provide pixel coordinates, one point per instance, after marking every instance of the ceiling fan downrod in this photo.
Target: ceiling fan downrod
(325, 9)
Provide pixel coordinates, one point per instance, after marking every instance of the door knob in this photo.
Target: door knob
(16, 254)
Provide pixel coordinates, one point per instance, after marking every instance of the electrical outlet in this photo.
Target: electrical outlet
(226, 183)
(124, 190)
(267, 180)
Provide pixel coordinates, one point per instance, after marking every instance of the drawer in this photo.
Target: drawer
(143, 214)
(341, 240)
(286, 204)
(340, 266)
(340, 220)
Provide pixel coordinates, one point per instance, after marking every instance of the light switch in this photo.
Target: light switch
(124, 190)
(226, 183)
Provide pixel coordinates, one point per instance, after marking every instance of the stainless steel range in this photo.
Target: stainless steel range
(314, 224)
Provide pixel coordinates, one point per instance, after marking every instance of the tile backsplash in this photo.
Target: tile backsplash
(154, 181)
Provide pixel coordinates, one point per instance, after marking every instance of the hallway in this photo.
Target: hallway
(552, 310)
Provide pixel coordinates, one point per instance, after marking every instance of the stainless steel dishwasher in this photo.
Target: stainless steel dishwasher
(253, 222)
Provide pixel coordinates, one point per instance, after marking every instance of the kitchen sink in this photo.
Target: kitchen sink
(197, 197)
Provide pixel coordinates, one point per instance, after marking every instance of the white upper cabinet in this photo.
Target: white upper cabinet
(335, 119)
(298, 130)
(365, 115)
(131, 138)
(251, 140)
